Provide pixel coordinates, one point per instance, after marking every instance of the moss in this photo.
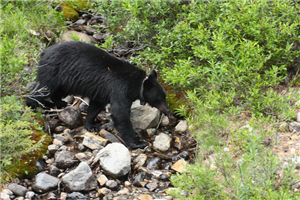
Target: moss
(79, 5)
(68, 12)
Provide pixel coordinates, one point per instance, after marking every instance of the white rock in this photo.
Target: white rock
(162, 142)
(165, 121)
(115, 160)
(182, 126)
(93, 141)
(143, 117)
(298, 117)
(4, 196)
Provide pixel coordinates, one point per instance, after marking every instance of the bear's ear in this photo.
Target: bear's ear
(147, 84)
(153, 74)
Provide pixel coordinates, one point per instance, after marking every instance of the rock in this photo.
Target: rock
(298, 117)
(30, 195)
(165, 121)
(74, 35)
(162, 142)
(44, 183)
(104, 191)
(64, 159)
(115, 160)
(64, 137)
(71, 116)
(80, 22)
(145, 197)
(151, 132)
(139, 180)
(152, 186)
(7, 191)
(93, 141)
(111, 184)
(63, 196)
(76, 196)
(182, 126)
(124, 191)
(143, 117)
(80, 179)
(109, 136)
(102, 179)
(51, 196)
(179, 166)
(178, 143)
(4, 196)
(100, 36)
(68, 12)
(294, 126)
(90, 30)
(153, 163)
(140, 160)
(17, 189)
(52, 148)
(59, 129)
(53, 170)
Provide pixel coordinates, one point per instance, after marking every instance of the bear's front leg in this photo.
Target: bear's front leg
(120, 114)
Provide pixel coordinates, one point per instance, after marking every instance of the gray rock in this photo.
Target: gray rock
(111, 184)
(71, 116)
(182, 126)
(151, 132)
(76, 196)
(93, 141)
(165, 121)
(143, 117)
(52, 148)
(70, 35)
(44, 183)
(53, 170)
(64, 159)
(17, 189)
(294, 126)
(139, 180)
(153, 163)
(80, 179)
(162, 142)
(115, 160)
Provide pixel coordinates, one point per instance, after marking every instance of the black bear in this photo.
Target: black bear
(79, 68)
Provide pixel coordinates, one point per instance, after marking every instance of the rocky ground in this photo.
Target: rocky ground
(85, 165)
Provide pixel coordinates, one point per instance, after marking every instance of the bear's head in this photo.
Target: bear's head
(153, 93)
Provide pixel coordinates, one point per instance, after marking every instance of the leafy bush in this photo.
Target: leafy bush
(227, 57)
(17, 131)
(24, 24)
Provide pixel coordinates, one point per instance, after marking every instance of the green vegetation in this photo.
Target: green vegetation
(27, 27)
(219, 60)
(227, 57)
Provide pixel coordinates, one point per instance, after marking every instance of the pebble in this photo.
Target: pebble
(111, 184)
(17, 189)
(179, 166)
(162, 142)
(182, 126)
(102, 179)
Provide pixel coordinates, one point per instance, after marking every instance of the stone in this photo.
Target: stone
(145, 197)
(111, 184)
(294, 126)
(30, 195)
(298, 117)
(124, 191)
(51, 196)
(179, 166)
(165, 121)
(144, 117)
(64, 137)
(178, 143)
(104, 191)
(17, 189)
(153, 163)
(7, 191)
(115, 160)
(73, 35)
(76, 196)
(63, 196)
(44, 183)
(151, 132)
(152, 186)
(139, 161)
(93, 141)
(80, 179)
(71, 116)
(139, 179)
(102, 179)
(182, 126)
(109, 136)
(53, 170)
(80, 22)
(162, 142)
(52, 148)
(64, 159)
(4, 196)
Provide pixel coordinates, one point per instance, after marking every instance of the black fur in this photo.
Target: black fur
(82, 69)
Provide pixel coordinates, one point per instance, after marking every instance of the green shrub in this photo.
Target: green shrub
(20, 138)
(24, 27)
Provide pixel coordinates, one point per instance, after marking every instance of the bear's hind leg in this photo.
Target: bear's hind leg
(95, 107)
